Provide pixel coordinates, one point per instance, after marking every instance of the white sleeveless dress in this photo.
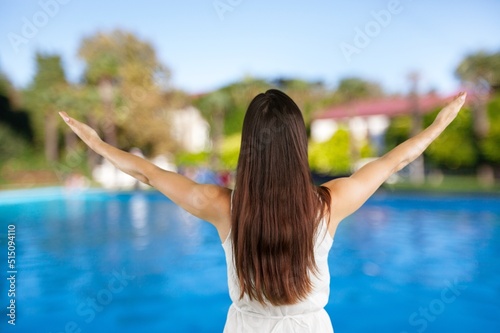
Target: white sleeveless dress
(249, 316)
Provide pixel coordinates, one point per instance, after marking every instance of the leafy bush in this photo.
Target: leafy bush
(331, 156)
(455, 148)
(192, 159)
(230, 151)
(12, 144)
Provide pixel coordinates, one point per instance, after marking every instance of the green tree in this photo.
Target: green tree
(214, 107)
(353, 88)
(133, 87)
(490, 145)
(241, 94)
(13, 142)
(480, 70)
(5, 86)
(308, 95)
(44, 97)
(11, 112)
(77, 101)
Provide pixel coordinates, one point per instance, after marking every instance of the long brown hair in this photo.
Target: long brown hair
(276, 209)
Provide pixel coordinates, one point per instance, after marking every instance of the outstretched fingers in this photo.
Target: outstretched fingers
(65, 116)
(73, 124)
(460, 99)
(450, 111)
(86, 133)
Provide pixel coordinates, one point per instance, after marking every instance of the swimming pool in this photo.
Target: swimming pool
(133, 262)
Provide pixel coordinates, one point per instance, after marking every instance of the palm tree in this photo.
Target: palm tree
(417, 167)
(480, 71)
(102, 72)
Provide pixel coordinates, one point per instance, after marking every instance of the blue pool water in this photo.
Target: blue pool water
(97, 261)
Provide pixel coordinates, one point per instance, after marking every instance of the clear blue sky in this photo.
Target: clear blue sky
(265, 38)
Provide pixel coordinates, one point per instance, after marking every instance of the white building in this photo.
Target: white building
(369, 119)
(190, 129)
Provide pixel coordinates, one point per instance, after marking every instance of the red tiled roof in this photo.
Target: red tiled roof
(389, 106)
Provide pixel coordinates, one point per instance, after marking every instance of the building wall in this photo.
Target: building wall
(372, 128)
(190, 129)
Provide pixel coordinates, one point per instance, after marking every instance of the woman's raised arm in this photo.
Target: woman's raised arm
(349, 193)
(206, 201)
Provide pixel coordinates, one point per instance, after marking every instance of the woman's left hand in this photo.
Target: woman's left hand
(85, 132)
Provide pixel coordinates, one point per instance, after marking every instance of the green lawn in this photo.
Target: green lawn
(455, 184)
